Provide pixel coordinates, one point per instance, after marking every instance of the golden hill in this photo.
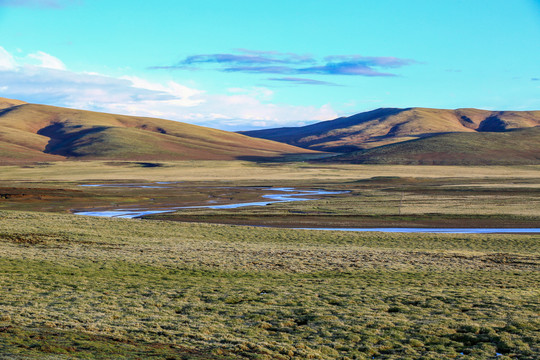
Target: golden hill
(31, 132)
(389, 125)
(512, 147)
(6, 103)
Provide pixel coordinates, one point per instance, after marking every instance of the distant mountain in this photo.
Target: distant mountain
(513, 147)
(31, 132)
(390, 125)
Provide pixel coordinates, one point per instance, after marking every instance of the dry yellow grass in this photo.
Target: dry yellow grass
(248, 171)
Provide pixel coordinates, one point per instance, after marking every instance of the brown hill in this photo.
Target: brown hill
(31, 132)
(513, 147)
(390, 125)
(6, 103)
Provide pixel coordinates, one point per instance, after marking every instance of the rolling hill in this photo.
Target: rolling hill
(513, 147)
(391, 125)
(32, 132)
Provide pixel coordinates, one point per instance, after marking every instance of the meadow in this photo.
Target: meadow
(99, 288)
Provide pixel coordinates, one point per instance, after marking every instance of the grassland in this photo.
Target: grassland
(247, 171)
(418, 197)
(102, 288)
(95, 288)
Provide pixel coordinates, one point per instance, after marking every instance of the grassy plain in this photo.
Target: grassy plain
(247, 171)
(422, 196)
(96, 288)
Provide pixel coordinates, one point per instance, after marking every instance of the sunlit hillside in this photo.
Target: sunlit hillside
(31, 132)
(389, 125)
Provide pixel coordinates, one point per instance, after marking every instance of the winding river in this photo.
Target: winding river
(286, 195)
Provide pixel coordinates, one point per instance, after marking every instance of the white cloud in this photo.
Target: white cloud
(47, 61)
(6, 60)
(50, 82)
(183, 94)
(243, 109)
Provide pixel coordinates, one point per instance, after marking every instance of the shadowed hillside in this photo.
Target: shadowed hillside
(30, 132)
(513, 147)
(389, 125)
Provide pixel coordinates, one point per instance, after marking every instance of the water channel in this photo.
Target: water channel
(286, 195)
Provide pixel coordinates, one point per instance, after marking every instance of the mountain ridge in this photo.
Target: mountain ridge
(33, 132)
(385, 126)
(512, 147)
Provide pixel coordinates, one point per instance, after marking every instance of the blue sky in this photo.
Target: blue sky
(241, 65)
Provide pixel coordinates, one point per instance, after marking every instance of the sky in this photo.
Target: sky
(241, 65)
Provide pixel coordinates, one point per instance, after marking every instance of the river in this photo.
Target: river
(286, 195)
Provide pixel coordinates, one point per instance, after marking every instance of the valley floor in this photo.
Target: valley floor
(98, 288)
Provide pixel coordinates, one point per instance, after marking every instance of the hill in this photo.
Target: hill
(513, 147)
(391, 125)
(7, 103)
(31, 132)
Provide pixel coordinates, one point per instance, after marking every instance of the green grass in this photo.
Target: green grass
(101, 288)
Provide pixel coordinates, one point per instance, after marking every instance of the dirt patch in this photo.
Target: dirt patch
(13, 193)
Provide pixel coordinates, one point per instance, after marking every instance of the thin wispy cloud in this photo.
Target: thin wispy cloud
(47, 4)
(261, 69)
(226, 59)
(290, 57)
(273, 62)
(344, 68)
(380, 61)
(535, 79)
(303, 81)
(246, 58)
